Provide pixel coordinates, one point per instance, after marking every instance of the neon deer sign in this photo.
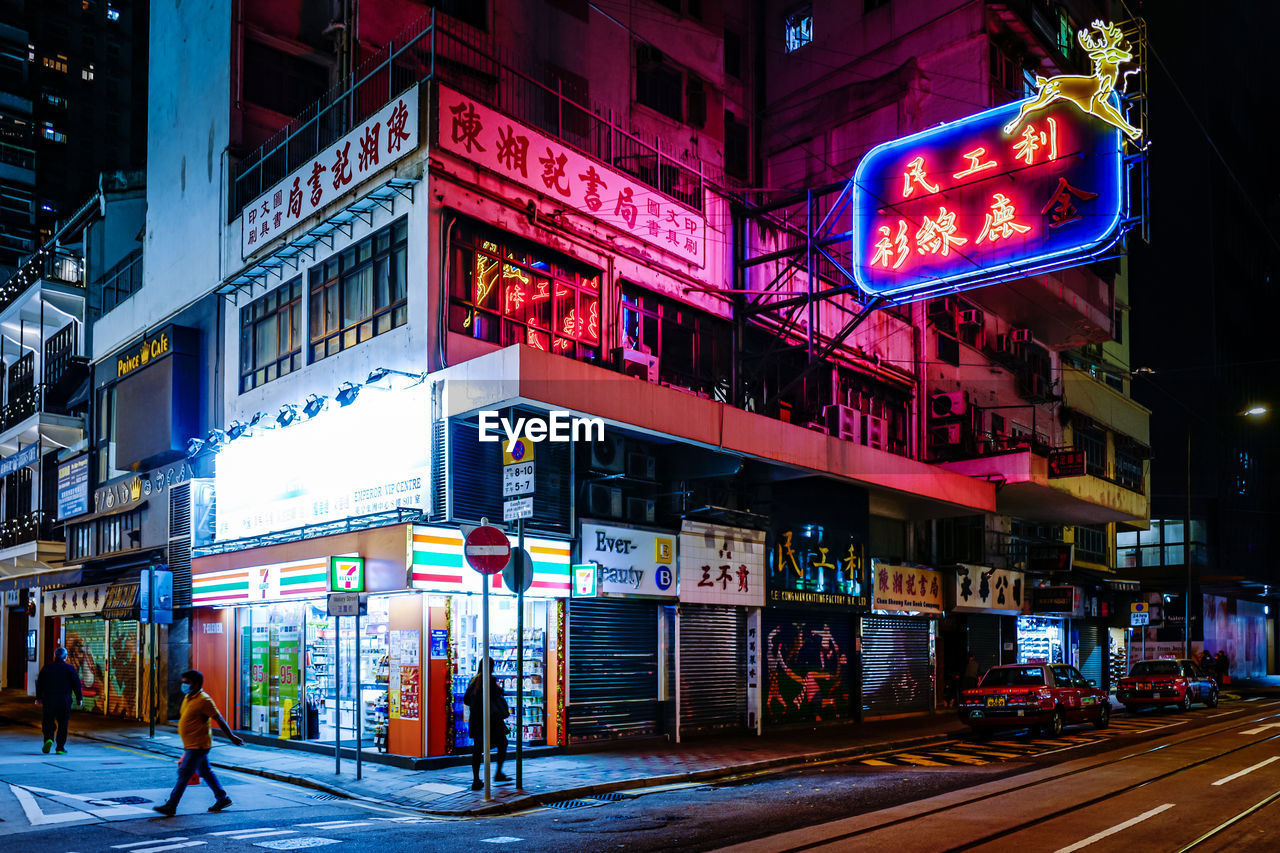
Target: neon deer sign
(1091, 93)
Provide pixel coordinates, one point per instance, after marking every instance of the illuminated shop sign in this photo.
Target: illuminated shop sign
(437, 565)
(1024, 188)
(546, 165)
(632, 561)
(365, 458)
(907, 589)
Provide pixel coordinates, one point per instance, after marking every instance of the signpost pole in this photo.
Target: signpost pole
(359, 702)
(337, 685)
(484, 672)
(151, 642)
(519, 575)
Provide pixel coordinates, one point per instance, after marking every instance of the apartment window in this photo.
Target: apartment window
(87, 74)
(58, 63)
(361, 292)
(659, 84)
(948, 350)
(279, 81)
(1094, 444)
(1091, 544)
(565, 89)
(113, 14)
(872, 5)
(733, 54)
(1117, 326)
(798, 28)
(692, 346)
(122, 532)
(271, 336)
(737, 147)
(507, 291)
(80, 542)
(52, 134)
(1128, 466)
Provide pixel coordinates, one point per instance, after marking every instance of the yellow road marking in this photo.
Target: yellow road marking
(916, 759)
(955, 756)
(997, 754)
(875, 762)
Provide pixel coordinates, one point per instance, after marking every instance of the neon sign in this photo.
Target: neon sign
(967, 204)
(1024, 188)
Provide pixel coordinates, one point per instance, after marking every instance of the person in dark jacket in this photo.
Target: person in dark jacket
(498, 711)
(1222, 667)
(55, 684)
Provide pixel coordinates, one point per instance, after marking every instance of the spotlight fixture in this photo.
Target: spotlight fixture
(288, 414)
(347, 393)
(236, 430)
(215, 439)
(379, 375)
(194, 446)
(314, 405)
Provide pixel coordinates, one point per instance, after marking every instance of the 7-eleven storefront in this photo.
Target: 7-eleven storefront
(282, 668)
(453, 590)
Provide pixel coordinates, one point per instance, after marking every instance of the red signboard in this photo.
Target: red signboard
(1066, 463)
(487, 550)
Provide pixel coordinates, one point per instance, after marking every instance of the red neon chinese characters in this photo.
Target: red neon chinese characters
(999, 223)
(1061, 209)
(917, 174)
(1033, 140)
(885, 246)
(937, 236)
(974, 166)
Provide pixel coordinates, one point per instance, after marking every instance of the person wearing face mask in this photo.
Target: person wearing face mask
(198, 711)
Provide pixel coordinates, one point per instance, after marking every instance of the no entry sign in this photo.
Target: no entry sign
(487, 550)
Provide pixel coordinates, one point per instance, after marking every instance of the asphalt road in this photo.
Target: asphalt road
(98, 798)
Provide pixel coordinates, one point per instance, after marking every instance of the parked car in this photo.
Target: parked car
(1155, 683)
(1038, 695)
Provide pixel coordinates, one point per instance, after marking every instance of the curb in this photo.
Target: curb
(534, 800)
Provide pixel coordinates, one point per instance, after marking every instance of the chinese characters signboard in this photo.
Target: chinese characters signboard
(632, 561)
(546, 165)
(982, 589)
(966, 203)
(812, 564)
(907, 589)
(378, 142)
(1066, 600)
(721, 565)
(1066, 463)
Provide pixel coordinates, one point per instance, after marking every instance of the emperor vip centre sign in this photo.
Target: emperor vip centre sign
(1024, 188)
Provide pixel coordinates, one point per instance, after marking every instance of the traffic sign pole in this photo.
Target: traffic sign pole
(519, 575)
(485, 677)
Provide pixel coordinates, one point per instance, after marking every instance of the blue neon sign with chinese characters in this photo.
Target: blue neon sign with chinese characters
(966, 204)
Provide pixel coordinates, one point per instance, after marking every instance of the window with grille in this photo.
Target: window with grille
(693, 347)
(360, 292)
(506, 291)
(271, 336)
(798, 28)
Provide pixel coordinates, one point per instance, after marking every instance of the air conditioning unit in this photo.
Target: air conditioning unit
(191, 511)
(843, 422)
(949, 404)
(874, 433)
(604, 501)
(640, 510)
(607, 455)
(642, 466)
(971, 317)
(641, 365)
(1020, 336)
(943, 306)
(946, 435)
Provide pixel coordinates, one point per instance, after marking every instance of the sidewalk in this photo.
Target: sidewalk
(547, 778)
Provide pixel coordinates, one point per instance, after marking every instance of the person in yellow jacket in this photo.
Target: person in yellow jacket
(198, 711)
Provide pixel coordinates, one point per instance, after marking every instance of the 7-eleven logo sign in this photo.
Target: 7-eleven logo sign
(346, 574)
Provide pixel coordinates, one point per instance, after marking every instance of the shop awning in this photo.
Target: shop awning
(24, 573)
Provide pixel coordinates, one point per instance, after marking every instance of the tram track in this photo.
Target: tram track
(1178, 740)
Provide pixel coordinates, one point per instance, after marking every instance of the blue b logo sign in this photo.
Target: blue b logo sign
(662, 577)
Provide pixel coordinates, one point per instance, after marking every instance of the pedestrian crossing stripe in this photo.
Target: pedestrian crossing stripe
(955, 756)
(875, 762)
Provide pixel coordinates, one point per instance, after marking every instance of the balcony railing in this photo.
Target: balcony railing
(431, 50)
(33, 526)
(119, 283)
(56, 265)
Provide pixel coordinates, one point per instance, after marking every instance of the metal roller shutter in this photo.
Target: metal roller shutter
(86, 644)
(1093, 653)
(713, 668)
(809, 658)
(984, 640)
(897, 676)
(613, 669)
(122, 672)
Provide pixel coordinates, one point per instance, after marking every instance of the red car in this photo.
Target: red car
(1037, 695)
(1166, 682)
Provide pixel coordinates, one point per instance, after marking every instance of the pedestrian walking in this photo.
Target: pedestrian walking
(55, 685)
(198, 711)
(1222, 665)
(498, 711)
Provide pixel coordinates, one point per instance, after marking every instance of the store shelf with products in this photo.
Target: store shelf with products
(1039, 640)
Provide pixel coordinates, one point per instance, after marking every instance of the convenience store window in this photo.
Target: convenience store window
(466, 627)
